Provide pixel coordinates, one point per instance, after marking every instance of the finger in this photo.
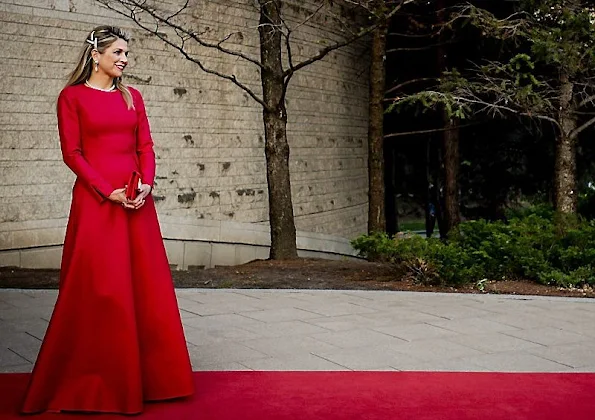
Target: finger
(139, 198)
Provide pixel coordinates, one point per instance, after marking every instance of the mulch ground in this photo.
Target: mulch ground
(303, 274)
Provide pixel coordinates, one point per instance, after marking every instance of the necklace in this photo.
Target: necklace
(96, 88)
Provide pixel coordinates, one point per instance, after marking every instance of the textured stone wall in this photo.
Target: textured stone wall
(208, 133)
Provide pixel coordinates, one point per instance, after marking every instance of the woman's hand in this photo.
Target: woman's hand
(119, 197)
(143, 192)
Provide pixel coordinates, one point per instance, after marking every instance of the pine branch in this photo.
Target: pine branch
(427, 47)
(407, 83)
(433, 130)
(485, 107)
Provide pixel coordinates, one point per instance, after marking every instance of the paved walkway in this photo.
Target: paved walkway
(349, 330)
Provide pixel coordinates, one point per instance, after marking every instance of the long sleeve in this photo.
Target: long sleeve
(70, 143)
(144, 142)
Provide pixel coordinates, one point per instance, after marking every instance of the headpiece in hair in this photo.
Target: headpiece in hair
(92, 40)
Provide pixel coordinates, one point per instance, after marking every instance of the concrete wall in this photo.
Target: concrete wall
(189, 244)
(208, 133)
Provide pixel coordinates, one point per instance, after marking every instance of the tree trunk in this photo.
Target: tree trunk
(439, 189)
(376, 187)
(431, 210)
(283, 236)
(450, 144)
(451, 212)
(565, 196)
(565, 200)
(391, 196)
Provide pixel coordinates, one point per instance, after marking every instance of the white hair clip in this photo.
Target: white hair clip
(92, 40)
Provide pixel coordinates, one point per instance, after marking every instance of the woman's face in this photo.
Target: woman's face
(114, 59)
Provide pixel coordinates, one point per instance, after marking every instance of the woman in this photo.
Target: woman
(115, 338)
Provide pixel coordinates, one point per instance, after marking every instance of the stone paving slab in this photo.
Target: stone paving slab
(517, 361)
(375, 357)
(550, 336)
(493, 342)
(348, 330)
(577, 355)
(295, 363)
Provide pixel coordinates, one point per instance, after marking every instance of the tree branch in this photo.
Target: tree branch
(493, 107)
(302, 23)
(409, 82)
(434, 130)
(131, 5)
(427, 47)
(179, 11)
(415, 36)
(232, 78)
(511, 110)
(586, 101)
(574, 134)
(325, 51)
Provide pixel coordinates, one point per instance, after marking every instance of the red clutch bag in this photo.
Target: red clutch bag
(133, 185)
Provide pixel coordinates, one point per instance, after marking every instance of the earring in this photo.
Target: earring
(97, 66)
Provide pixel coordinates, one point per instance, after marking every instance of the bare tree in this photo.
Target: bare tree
(276, 65)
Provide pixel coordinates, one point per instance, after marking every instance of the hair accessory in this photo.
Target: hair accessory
(92, 40)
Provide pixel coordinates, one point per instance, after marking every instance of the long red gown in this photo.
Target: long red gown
(115, 338)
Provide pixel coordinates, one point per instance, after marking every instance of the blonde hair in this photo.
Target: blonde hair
(99, 38)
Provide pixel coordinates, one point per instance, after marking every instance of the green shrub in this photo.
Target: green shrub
(580, 276)
(544, 211)
(421, 271)
(586, 201)
(375, 247)
(410, 246)
(488, 245)
(532, 244)
(455, 264)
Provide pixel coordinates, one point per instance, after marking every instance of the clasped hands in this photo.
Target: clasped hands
(119, 197)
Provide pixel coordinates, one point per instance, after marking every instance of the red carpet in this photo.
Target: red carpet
(359, 395)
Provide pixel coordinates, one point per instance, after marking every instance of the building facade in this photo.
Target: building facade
(210, 190)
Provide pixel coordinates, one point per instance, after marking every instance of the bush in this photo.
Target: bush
(457, 265)
(530, 245)
(375, 247)
(543, 211)
(586, 201)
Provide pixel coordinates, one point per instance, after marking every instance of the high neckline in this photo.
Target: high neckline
(112, 89)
